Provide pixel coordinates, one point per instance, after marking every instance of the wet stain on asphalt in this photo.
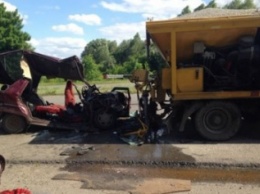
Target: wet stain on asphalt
(107, 167)
(99, 176)
(105, 162)
(135, 154)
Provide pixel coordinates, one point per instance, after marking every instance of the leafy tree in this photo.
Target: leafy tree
(112, 46)
(202, 6)
(91, 69)
(238, 4)
(128, 67)
(185, 10)
(132, 64)
(108, 56)
(248, 4)
(11, 35)
(156, 61)
(118, 69)
(121, 54)
(129, 48)
(211, 4)
(136, 45)
(235, 4)
(98, 49)
(106, 66)
(101, 49)
(137, 49)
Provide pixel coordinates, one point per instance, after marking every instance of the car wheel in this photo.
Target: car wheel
(104, 119)
(13, 123)
(218, 121)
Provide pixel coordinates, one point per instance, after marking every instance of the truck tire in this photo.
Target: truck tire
(104, 119)
(12, 123)
(218, 121)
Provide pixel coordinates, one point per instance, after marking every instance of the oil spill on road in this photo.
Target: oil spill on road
(146, 153)
(123, 167)
(112, 164)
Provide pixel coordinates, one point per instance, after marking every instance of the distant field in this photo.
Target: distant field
(104, 86)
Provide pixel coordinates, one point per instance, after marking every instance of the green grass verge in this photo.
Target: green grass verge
(53, 88)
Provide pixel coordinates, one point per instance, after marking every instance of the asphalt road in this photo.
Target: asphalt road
(95, 158)
(101, 162)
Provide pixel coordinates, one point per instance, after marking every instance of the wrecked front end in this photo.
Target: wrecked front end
(94, 109)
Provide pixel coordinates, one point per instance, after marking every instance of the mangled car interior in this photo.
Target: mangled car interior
(21, 106)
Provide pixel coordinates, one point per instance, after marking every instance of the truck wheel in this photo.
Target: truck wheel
(13, 123)
(104, 119)
(218, 121)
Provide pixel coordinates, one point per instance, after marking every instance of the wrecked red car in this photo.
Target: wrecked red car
(21, 106)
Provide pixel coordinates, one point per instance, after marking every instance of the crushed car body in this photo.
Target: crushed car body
(21, 106)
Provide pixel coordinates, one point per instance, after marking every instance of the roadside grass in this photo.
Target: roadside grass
(57, 88)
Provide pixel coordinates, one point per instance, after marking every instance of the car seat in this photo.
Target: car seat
(69, 95)
(59, 109)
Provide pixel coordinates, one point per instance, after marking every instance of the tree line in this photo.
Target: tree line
(100, 56)
(107, 57)
(235, 4)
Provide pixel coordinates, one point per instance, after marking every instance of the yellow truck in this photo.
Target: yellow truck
(212, 74)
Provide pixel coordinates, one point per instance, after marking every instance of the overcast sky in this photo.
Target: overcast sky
(62, 28)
